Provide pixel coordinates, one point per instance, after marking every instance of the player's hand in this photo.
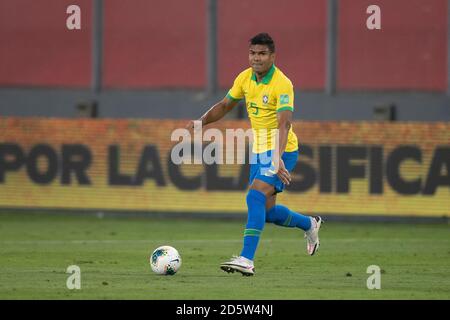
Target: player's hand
(191, 126)
(282, 173)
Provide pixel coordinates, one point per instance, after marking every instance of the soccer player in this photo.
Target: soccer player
(269, 98)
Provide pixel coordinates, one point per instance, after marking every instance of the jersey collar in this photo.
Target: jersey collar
(266, 79)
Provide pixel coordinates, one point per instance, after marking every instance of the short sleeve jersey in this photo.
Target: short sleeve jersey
(264, 99)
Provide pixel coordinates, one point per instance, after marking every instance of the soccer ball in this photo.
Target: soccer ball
(165, 260)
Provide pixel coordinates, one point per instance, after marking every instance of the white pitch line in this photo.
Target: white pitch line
(116, 241)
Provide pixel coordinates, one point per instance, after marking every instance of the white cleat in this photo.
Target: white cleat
(312, 235)
(239, 264)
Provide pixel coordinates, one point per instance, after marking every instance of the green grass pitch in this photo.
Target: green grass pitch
(112, 253)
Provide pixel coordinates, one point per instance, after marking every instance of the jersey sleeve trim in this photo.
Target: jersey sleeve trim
(285, 108)
(229, 96)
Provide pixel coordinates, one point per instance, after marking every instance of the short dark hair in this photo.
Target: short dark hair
(263, 39)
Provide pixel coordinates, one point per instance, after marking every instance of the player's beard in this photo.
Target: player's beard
(260, 69)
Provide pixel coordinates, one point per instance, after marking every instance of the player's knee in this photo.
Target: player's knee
(255, 197)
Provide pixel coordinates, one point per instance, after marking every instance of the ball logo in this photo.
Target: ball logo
(157, 254)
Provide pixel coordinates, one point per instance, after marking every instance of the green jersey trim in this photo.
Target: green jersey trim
(229, 96)
(285, 108)
(266, 79)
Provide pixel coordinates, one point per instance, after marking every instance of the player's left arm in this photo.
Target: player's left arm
(284, 125)
(285, 107)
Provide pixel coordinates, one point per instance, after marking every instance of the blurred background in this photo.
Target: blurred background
(86, 114)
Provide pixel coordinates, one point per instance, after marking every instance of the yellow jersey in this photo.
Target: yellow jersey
(264, 99)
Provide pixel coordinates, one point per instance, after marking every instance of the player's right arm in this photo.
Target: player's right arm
(216, 112)
(220, 109)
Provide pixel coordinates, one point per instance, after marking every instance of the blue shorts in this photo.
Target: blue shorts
(261, 163)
